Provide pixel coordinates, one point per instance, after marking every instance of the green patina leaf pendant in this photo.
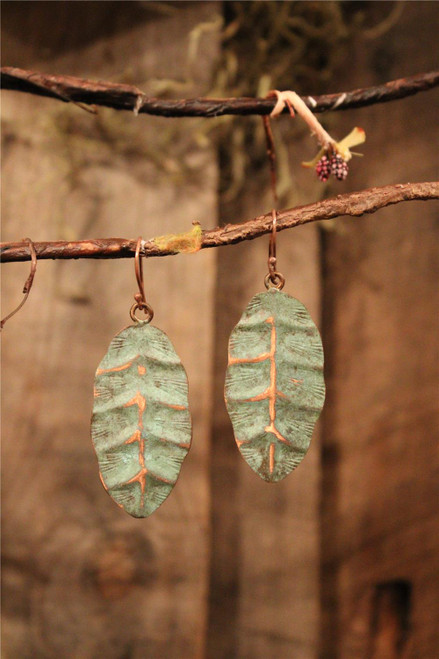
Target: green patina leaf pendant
(141, 426)
(274, 388)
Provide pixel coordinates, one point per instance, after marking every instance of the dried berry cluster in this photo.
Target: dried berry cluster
(334, 165)
(323, 168)
(339, 167)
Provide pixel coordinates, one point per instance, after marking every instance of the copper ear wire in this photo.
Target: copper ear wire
(28, 283)
(140, 300)
(273, 279)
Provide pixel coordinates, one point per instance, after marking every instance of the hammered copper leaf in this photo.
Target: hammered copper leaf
(141, 427)
(274, 383)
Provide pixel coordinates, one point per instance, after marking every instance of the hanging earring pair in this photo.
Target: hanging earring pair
(141, 426)
(274, 390)
(274, 393)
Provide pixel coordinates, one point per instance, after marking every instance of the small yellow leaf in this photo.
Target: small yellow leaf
(356, 136)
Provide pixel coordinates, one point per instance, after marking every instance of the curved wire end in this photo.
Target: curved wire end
(28, 283)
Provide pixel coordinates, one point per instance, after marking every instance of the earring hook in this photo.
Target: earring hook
(140, 300)
(273, 279)
(28, 283)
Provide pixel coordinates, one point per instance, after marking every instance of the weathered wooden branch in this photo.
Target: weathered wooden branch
(128, 97)
(353, 204)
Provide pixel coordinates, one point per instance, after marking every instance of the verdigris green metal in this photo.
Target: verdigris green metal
(274, 388)
(141, 426)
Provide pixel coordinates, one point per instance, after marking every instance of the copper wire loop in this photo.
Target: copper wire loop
(273, 279)
(140, 300)
(144, 307)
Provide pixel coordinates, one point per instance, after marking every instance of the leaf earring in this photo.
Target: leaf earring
(141, 427)
(274, 389)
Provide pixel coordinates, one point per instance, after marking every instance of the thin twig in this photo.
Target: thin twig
(271, 155)
(353, 204)
(128, 97)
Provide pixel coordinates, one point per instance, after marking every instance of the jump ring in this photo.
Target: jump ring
(274, 280)
(144, 306)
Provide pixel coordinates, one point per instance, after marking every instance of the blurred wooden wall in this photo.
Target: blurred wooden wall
(81, 579)
(340, 559)
(380, 494)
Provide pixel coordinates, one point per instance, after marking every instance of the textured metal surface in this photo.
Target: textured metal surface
(274, 383)
(141, 426)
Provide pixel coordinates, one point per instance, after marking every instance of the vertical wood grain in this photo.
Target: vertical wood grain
(380, 485)
(264, 591)
(81, 578)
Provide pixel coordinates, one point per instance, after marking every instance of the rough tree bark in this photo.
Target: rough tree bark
(354, 204)
(127, 97)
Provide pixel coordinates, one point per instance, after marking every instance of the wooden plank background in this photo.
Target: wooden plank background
(380, 305)
(265, 538)
(81, 578)
(336, 560)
